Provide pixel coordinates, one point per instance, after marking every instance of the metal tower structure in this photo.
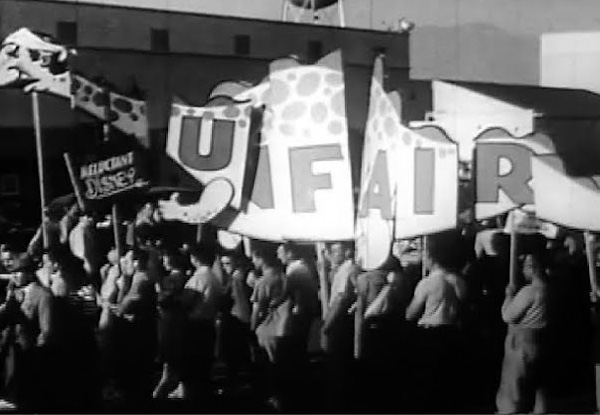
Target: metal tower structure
(313, 11)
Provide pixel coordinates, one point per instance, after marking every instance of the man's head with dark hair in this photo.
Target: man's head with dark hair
(202, 255)
(534, 265)
(140, 259)
(288, 252)
(446, 249)
(8, 256)
(263, 258)
(340, 251)
(173, 260)
(390, 264)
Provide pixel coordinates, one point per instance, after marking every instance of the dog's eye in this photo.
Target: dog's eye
(12, 50)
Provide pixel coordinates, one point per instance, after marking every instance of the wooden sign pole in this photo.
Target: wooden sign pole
(35, 102)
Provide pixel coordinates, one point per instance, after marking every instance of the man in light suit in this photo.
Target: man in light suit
(28, 311)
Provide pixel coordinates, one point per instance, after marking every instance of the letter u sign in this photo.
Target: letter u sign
(206, 144)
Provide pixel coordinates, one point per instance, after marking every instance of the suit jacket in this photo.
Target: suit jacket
(31, 315)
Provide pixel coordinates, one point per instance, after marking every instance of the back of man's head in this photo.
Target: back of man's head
(202, 255)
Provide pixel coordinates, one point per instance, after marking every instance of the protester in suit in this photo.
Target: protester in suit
(266, 320)
(28, 310)
(110, 273)
(77, 313)
(136, 310)
(171, 324)
(379, 322)
(338, 327)
(201, 298)
(235, 318)
(300, 296)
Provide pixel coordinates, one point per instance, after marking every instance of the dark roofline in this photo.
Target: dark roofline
(218, 17)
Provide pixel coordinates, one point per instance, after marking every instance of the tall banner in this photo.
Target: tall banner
(212, 142)
(302, 189)
(569, 201)
(503, 170)
(409, 181)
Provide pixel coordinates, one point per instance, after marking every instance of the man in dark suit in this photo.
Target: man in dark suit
(28, 313)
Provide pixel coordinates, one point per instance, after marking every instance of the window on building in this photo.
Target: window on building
(9, 185)
(159, 40)
(315, 50)
(66, 32)
(242, 45)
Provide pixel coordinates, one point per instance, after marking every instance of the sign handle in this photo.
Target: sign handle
(512, 279)
(589, 249)
(74, 181)
(115, 222)
(323, 282)
(40, 162)
(114, 210)
(423, 255)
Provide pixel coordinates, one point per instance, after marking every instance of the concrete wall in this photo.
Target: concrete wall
(570, 60)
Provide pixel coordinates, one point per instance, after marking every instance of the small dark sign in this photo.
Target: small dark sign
(109, 174)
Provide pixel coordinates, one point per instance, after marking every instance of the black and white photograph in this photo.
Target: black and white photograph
(300, 206)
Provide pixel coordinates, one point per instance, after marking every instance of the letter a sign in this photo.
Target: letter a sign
(409, 179)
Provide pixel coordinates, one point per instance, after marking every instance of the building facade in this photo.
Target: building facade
(161, 55)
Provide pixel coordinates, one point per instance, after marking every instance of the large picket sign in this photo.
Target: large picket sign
(111, 172)
(503, 170)
(409, 181)
(212, 142)
(302, 187)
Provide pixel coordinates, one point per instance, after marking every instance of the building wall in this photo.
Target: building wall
(472, 40)
(116, 44)
(570, 60)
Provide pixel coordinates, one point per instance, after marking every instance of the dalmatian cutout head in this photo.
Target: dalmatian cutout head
(28, 57)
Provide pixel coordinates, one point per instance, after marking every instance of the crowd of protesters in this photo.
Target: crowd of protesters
(444, 331)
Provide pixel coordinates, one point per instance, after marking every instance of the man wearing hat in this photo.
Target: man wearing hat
(27, 313)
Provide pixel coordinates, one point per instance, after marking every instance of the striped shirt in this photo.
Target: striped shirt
(528, 309)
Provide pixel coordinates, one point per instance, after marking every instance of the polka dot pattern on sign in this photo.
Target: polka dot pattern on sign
(113, 116)
(122, 105)
(335, 127)
(308, 84)
(99, 99)
(390, 128)
(287, 129)
(319, 112)
(293, 111)
(337, 104)
(334, 79)
(280, 92)
(308, 107)
(232, 111)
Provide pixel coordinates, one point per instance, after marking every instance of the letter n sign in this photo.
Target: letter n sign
(206, 143)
